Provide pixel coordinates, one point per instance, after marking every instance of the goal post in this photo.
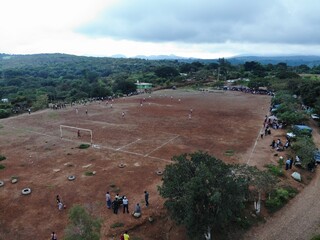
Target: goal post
(76, 131)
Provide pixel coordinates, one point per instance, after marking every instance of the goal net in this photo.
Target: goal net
(75, 133)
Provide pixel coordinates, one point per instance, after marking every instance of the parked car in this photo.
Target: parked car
(316, 156)
(315, 116)
(302, 130)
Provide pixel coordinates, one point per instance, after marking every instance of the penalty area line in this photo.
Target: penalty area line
(128, 144)
(162, 145)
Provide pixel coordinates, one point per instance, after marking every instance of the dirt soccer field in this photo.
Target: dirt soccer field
(225, 124)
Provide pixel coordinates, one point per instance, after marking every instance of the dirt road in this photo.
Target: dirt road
(298, 220)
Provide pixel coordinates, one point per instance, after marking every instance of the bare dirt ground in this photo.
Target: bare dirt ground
(144, 140)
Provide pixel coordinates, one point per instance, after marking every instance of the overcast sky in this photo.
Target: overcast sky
(187, 28)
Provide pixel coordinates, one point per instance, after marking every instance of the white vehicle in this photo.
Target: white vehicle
(315, 116)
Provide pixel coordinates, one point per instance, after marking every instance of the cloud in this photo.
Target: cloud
(188, 28)
(209, 21)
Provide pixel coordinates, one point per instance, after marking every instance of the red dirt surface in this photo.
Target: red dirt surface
(144, 140)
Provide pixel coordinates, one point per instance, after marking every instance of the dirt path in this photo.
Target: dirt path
(300, 219)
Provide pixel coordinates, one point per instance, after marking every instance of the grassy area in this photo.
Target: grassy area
(229, 153)
(84, 146)
(117, 224)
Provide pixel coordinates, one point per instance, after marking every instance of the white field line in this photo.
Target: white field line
(162, 145)
(129, 144)
(254, 147)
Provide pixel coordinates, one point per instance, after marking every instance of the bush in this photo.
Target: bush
(89, 173)
(229, 153)
(244, 222)
(275, 170)
(317, 237)
(2, 167)
(82, 225)
(304, 147)
(4, 113)
(279, 197)
(2, 158)
(84, 146)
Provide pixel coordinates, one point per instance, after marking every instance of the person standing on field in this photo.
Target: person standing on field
(125, 203)
(108, 200)
(54, 236)
(146, 198)
(126, 236)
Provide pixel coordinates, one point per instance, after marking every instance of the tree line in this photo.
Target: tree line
(32, 81)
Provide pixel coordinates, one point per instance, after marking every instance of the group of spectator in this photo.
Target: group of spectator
(123, 200)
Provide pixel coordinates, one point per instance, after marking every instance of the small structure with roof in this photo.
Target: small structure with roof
(143, 87)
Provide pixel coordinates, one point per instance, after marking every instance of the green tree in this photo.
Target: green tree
(258, 82)
(82, 225)
(124, 86)
(260, 182)
(202, 193)
(304, 147)
(4, 113)
(166, 71)
(41, 102)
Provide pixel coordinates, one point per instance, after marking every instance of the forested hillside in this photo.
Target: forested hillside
(32, 81)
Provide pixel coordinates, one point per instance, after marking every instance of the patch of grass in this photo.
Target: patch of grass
(14, 177)
(317, 237)
(2, 167)
(53, 115)
(84, 146)
(88, 173)
(137, 238)
(2, 158)
(275, 170)
(291, 190)
(50, 186)
(229, 153)
(117, 224)
(116, 190)
(1, 126)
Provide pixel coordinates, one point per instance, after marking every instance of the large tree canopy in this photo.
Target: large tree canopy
(202, 193)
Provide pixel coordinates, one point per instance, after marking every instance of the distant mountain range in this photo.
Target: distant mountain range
(289, 60)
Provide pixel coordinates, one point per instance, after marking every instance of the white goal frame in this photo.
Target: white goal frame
(81, 129)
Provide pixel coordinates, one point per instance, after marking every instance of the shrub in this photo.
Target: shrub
(88, 173)
(84, 146)
(2, 167)
(82, 225)
(275, 170)
(279, 197)
(4, 113)
(304, 147)
(244, 222)
(317, 237)
(2, 158)
(229, 153)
